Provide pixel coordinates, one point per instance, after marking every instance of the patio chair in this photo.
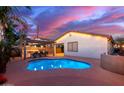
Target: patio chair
(36, 55)
(44, 53)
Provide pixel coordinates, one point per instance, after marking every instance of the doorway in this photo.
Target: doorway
(60, 49)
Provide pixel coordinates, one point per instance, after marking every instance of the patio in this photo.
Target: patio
(18, 75)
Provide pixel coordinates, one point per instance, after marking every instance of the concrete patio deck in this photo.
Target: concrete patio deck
(19, 76)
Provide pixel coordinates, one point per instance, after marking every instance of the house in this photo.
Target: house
(84, 44)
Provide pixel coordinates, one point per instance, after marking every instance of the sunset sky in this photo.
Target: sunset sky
(54, 21)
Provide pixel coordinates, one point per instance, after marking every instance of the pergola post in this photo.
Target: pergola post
(1, 32)
(25, 52)
(54, 49)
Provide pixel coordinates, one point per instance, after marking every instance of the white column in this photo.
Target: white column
(1, 32)
(54, 49)
(25, 51)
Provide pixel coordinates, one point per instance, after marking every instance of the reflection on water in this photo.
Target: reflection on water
(35, 69)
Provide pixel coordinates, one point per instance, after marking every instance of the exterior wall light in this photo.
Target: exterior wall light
(122, 46)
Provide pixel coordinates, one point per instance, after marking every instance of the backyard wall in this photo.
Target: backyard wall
(113, 63)
(91, 46)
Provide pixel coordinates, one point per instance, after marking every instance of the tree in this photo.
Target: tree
(9, 22)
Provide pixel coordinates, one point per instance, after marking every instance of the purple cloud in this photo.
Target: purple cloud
(53, 21)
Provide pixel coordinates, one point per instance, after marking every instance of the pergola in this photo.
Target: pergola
(39, 41)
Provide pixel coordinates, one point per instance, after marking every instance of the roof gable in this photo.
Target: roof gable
(93, 34)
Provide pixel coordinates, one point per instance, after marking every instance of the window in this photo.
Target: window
(70, 46)
(73, 46)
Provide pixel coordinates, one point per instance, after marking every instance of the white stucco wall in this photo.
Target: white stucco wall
(88, 45)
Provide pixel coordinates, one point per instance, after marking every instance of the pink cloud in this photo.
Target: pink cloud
(74, 14)
(50, 21)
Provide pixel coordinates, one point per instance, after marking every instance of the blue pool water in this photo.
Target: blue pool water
(49, 64)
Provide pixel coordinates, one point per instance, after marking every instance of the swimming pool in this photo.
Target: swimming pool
(49, 64)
